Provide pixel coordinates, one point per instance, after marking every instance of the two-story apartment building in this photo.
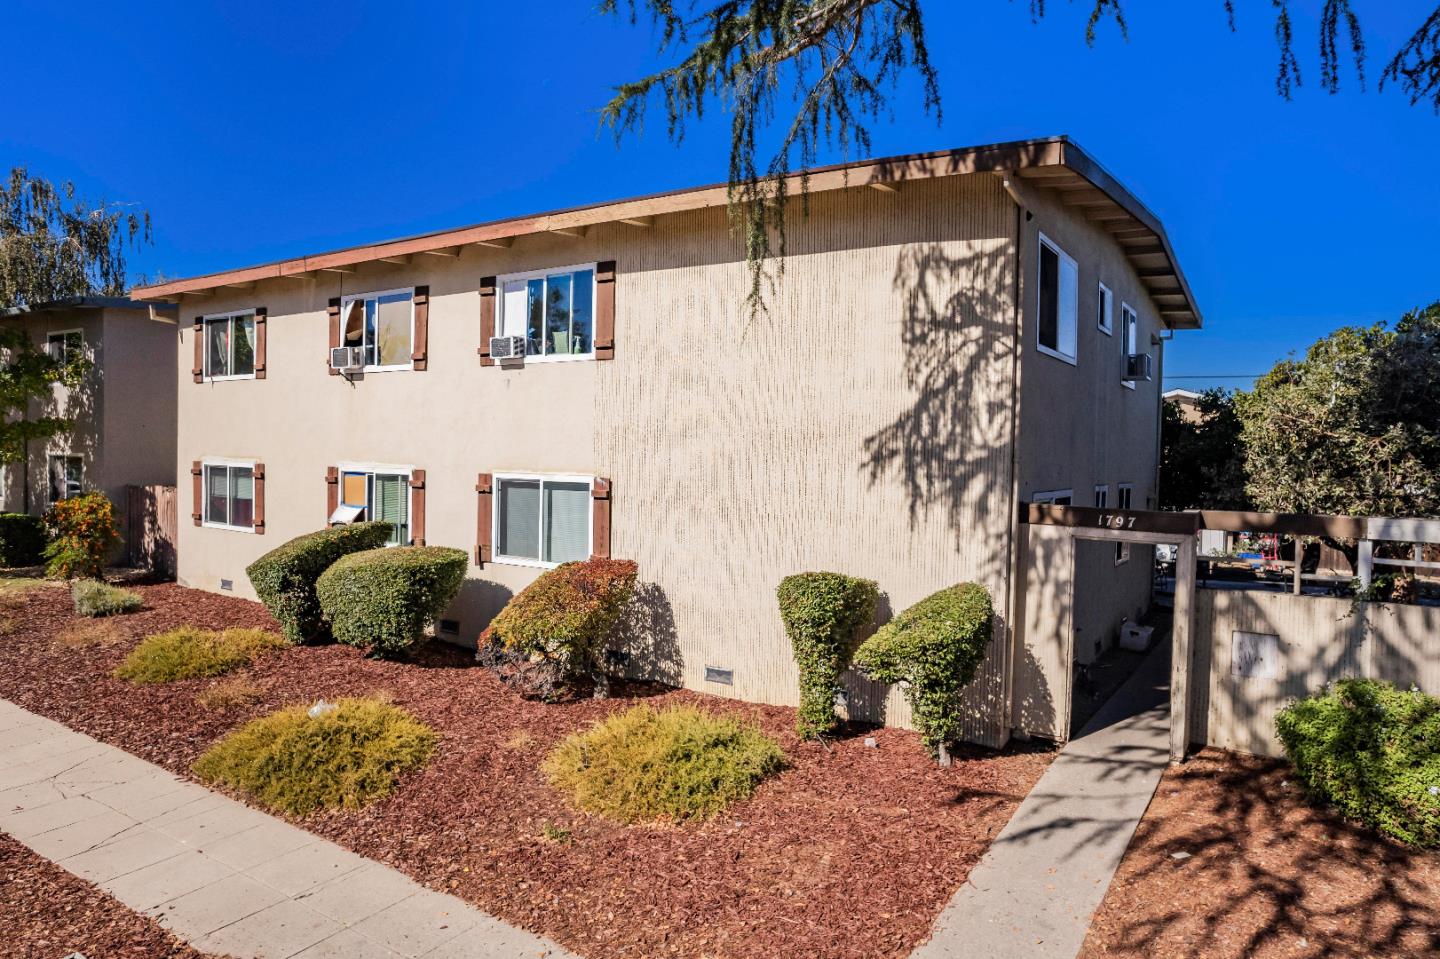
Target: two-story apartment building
(124, 409)
(955, 334)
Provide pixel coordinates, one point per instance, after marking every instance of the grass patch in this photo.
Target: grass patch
(190, 653)
(95, 598)
(232, 692)
(677, 764)
(91, 632)
(345, 758)
(518, 740)
(556, 834)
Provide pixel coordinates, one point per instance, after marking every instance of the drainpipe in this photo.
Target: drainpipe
(1014, 590)
(1160, 406)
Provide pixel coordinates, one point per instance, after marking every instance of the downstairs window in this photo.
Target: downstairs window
(376, 494)
(542, 520)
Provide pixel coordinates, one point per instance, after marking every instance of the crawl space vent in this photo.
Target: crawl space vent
(714, 674)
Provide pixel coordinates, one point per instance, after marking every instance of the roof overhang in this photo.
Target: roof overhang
(84, 303)
(1055, 164)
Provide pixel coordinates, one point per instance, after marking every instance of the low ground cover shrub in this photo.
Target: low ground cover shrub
(557, 626)
(87, 633)
(1373, 751)
(232, 692)
(385, 598)
(83, 533)
(93, 597)
(677, 764)
(285, 577)
(344, 757)
(822, 613)
(22, 539)
(934, 648)
(190, 653)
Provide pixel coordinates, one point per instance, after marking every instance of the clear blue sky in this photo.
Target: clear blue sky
(258, 130)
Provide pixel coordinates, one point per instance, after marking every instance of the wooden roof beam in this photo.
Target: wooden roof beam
(639, 221)
(446, 251)
(499, 243)
(402, 259)
(573, 232)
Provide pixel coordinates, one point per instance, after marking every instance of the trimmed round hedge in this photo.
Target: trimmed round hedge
(285, 577)
(934, 647)
(384, 598)
(822, 613)
(1373, 751)
(22, 539)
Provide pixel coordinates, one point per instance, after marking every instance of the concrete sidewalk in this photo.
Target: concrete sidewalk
(221, 875)
(1035, 891)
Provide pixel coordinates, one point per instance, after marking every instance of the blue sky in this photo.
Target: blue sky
(258, 130)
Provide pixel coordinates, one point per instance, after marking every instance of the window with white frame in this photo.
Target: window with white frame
(230, 345)
(1055, 497)
(1129, 337)
(383, 324)
(1058, 288)
(1105, 308)
(66, 473)
(1102, 497)
(553, 309)
(542, 520)
(1124, 495)
(230, 494)
(376, 493)
(65, 346)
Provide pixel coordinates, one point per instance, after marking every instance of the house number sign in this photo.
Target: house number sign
(1116, 521)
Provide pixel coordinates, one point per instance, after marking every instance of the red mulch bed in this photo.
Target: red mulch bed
(1269, 875)
(45, 913)
(851, 852)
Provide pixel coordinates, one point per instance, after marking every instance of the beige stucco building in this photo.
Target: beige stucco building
(124, 408)
(949, 340)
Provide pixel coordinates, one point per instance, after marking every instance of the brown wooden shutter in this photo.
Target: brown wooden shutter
(487, 319)
(197, 488)
(259, 506)
(332, 491)
(483, 518)
(600, 518)
(417, 507)
(261, 314)
(334, 313)
(419, 356)
(198, 371)
(605, 310)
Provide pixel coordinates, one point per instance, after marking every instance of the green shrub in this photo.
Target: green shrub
(96, 598)
(384, 598)
(822, 613)
(642, 764)
(934, 647)
(83, 534)
(190, 653)
(565, 617)
(345, 757)
(22, 539)
(1373, 751)
(284, 578)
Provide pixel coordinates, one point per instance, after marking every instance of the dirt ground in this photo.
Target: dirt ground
(1232, 861)
(851, 852)
(46, 913)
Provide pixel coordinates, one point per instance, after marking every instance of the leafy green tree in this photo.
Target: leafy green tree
(838, 61)
(1202, 460)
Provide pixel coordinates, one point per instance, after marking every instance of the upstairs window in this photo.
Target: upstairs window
(1129, 338)
(1102, 497)
(1105, 307)
(65, 346)
(553, 309)
(230, 345)
(65, 477)
(376, 494)
(230, 495)
(1058, 287)
(1059, 497)
(1124, 494)
(542, 520)
(383, 324)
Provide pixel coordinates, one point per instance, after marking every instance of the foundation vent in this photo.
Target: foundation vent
(714, 674)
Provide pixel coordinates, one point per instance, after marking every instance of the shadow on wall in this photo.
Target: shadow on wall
(649, 637)
(480, 601)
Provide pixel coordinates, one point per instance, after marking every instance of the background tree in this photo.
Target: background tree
(1202, 460)
(837, 61)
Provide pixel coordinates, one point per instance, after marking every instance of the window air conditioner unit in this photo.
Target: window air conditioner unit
(1137, 367)
(347, 358)
(507, 347)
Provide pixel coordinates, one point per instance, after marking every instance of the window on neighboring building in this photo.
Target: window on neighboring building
(1105, 307)
(1058, 497)
(230, 495)
(1102, 497)
(542, 519)
(382, 323)
(65, 346)
(1129, 336)
(230, 345)
(376, 493)
(1058, 287)
(65, 477)
(553, 310)
(1124, 494)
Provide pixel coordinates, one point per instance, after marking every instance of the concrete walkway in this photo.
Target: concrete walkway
(1035, 891)
(221, 875)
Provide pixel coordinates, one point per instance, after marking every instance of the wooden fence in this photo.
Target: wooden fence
(150, 525)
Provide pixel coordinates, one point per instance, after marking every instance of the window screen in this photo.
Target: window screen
(567, 522)
(1059, 279)
(519, 519)
(391, 502)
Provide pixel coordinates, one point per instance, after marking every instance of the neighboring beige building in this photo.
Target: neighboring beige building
(1187, 402)
(950, 339)
(124, 409)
